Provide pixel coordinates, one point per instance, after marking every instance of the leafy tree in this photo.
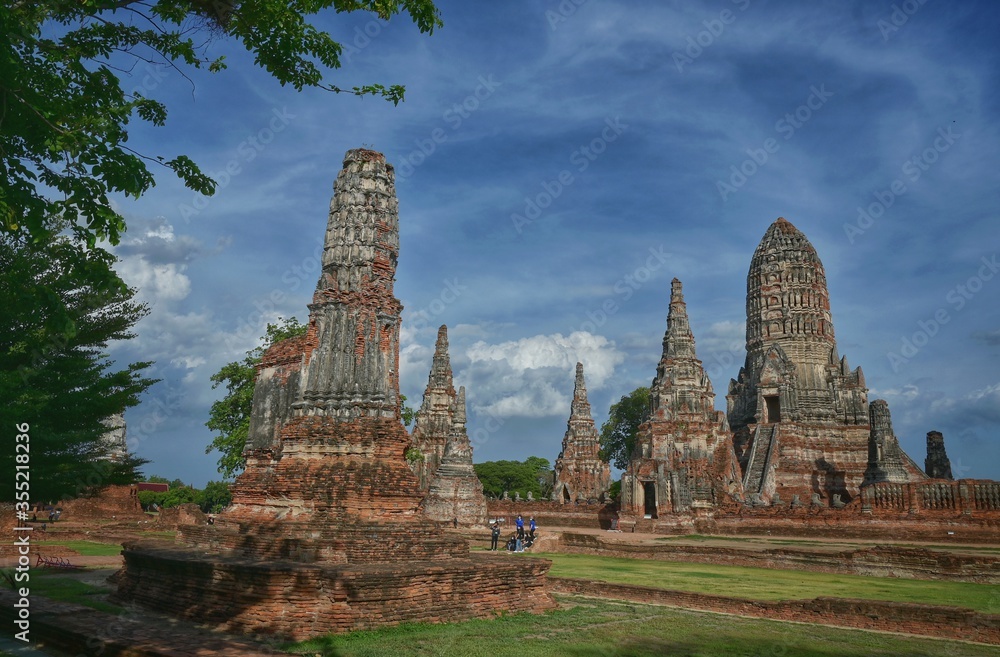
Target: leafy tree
(176, 483)
(62, 305)
(230, 416)
(147, 498)
(514, 477)
(407, 411)
(178, 496)
(64, 113)
(156, 479)
(619, 432)
(215, 497)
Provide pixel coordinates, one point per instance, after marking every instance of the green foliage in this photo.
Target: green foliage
(618, 434)
(406, 412)
(178, 496)
(413, 455)
(615, 490)
(62, 305)
(215, 497)
(230, 416)
(156, 479)
(533, 474)
(64, 116)
(147, 498)
(176, 483)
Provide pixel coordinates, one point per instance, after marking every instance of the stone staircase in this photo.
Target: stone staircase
(764, 441)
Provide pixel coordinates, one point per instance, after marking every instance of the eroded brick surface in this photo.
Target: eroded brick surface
(326, 532)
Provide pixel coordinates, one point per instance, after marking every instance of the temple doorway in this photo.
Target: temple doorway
(649, 493)
(773, 408)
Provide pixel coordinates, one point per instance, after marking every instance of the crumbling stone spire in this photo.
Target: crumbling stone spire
(435, 419)
(681, 387)
(678, 341)
(579, 471)
(937, 465)
(354, 369)
(885, 457)
(454, 491)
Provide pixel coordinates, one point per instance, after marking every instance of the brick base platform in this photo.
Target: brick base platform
(297, 600)
(909, 618)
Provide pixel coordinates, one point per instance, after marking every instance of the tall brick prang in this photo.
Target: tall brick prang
(798, 412)
(683, 458)
(580, 473)
(326, 532)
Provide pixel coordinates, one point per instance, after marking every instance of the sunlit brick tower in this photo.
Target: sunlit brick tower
(326, 531)
(683, 459)
(580, 473)
(798, 412)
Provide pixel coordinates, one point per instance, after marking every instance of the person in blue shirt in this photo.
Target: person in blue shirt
(532, 527)
(520, 526)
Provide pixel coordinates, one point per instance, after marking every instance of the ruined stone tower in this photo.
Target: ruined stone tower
(683, 459)
(798, 412)
(326, 531)
(580, 473)
(885, 457)
(436, 416)
(937, 465)
(454, 491)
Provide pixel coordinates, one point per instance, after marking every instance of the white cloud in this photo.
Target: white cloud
(533, 377)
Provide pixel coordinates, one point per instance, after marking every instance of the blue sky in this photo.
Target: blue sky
(557, 165)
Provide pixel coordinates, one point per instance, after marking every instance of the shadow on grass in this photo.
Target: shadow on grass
(652, 647)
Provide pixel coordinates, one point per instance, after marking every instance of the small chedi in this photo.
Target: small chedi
(580, 473)
(455, 492)
(937, 465)
(326, 532)
(435, 419)
(683, 460)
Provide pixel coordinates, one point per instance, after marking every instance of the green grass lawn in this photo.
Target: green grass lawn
(766, 584)
(86, 548)
(598, 628)
(57, 586)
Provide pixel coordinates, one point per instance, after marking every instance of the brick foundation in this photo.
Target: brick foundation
(877, 561)
(928, 620)
(299, 600)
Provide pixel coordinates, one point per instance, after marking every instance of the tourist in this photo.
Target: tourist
(520, 526)
(520, 543)
(532, 527)
(512, 543)
(495, 538)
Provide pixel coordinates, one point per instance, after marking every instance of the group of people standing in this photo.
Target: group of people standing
(518, 540)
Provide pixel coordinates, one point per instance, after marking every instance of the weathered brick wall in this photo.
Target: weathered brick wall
(320, 541)
(877, 561)
(112, 502)
(181, 515)
(554, 514)
(296, 601)
(929, 620)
